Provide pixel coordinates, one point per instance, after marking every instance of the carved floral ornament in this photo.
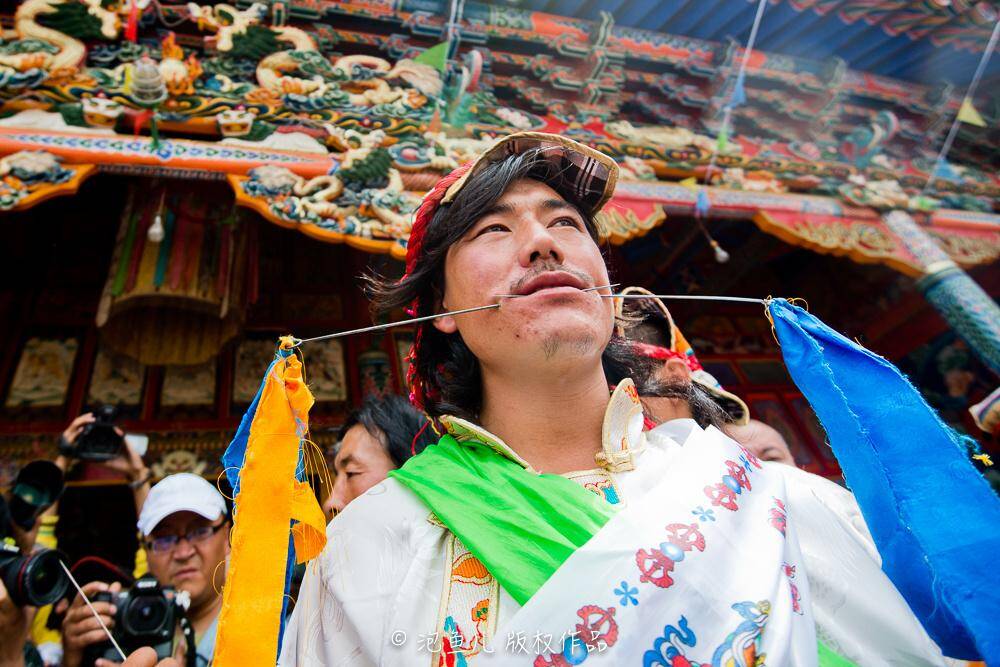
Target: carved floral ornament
(246, 75)
(29, 177)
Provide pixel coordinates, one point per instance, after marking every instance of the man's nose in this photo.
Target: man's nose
(184, 549)
(336, 502)
(539, 244)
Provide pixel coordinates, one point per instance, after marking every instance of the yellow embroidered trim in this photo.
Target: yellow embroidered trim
(464, 431)
(449, 555)
(577, 475)
(492, 601)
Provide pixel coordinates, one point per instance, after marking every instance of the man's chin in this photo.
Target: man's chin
(563, 345)
(194, 585)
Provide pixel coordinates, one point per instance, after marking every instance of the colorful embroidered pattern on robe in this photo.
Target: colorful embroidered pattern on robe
(468, 608)
(741, 648)
(600, 482)
(656, 563)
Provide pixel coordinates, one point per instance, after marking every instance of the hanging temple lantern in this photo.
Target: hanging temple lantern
(179, 299)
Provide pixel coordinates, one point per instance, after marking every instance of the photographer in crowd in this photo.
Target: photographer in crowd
(185, 531)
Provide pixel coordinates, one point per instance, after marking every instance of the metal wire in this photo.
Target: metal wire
(416, 320)
(685, 297)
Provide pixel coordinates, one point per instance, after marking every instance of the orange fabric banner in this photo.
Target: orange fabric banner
(269, 498)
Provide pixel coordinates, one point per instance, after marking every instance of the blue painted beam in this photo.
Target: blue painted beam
(955, 66)
(779, 18)
(712, 21)
(889, 57)
(564, 8)
(863, 57)
(859, 42)
(796, 31)
(634, 10)
(610, 6)
(739, 24)
(687, 22)
(677, 6)
(917, 57)
(813, 41)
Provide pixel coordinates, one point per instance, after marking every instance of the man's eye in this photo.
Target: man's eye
(496, 227)
(351, 474)
(566, 222)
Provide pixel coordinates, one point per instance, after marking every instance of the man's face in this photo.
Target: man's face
(765, 442)
(535, 244)
(195, 559)
(360, 464)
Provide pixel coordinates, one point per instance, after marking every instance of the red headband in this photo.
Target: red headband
(422, 218)
(428, 207)
(663, 353)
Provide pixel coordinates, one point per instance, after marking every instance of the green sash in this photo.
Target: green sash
(521, 525)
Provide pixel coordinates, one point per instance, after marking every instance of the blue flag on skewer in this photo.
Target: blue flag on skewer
(739, 95)
(945, 172)
(934, 518)
(701, 203)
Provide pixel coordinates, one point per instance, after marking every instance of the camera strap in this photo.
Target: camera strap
(191, 654)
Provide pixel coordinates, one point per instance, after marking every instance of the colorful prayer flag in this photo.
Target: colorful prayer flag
(702, 204)
(277, 519)
(968, 114)
(722, 143)
(945, 171)
(739, 94)
(436, 56)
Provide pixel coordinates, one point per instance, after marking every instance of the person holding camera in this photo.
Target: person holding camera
(95, 437)
(184, 525)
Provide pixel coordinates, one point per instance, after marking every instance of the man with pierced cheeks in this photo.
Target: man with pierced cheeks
(545, 508)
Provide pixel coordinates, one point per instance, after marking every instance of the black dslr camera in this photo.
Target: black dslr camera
(35, 579)
(98, 440)
(147, 616)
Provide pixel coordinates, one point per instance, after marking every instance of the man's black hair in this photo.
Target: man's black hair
(447, 366)
(644, 323)
(394, 423)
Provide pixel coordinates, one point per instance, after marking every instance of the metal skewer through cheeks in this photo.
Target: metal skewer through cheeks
(296, 342)
(379, 327)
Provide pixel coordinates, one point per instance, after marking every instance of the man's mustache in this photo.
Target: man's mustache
(545, 266)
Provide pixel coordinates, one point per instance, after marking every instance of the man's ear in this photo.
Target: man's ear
(677, 370)
(446, 324)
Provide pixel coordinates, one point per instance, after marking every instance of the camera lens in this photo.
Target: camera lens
(146, 614)
(44, 578)
(35, 580)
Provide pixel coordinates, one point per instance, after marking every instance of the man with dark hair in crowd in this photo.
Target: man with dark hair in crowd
(546, 511)
(683, 389)
(686, 390)
(377, 437)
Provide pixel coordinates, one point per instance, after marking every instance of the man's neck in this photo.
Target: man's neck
(202, 616)
(553, 421)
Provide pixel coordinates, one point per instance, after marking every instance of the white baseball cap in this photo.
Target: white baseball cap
(183, 492)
